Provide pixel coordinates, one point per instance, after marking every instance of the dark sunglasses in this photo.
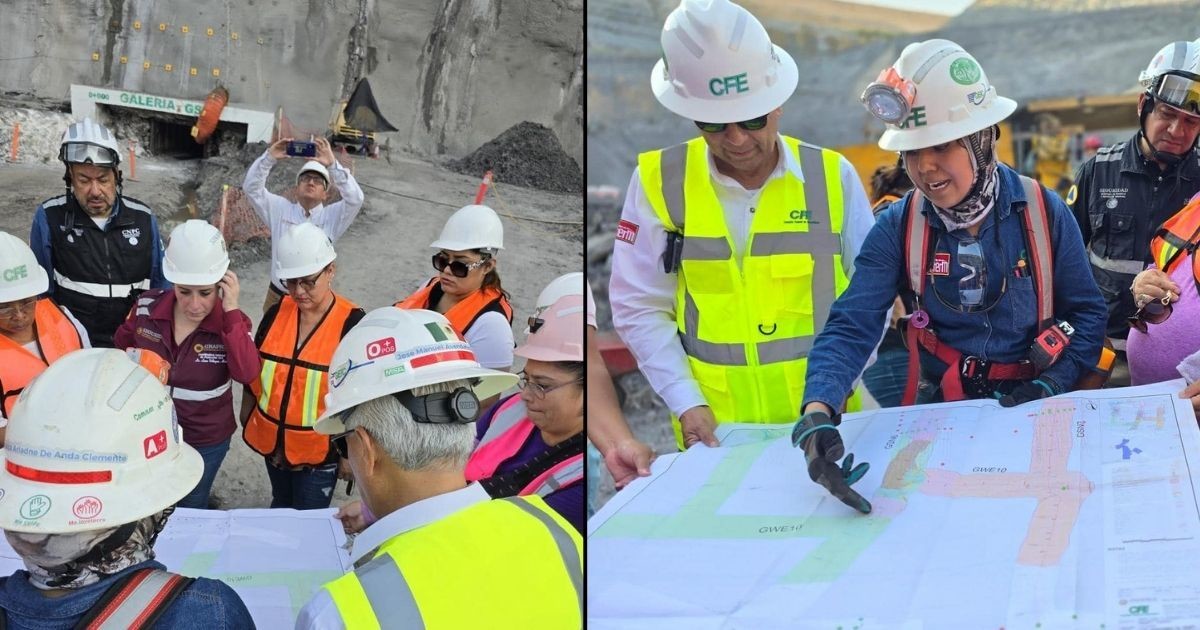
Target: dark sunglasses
(458, 268)
(754, 124)
(1153, 312)
(338, 442)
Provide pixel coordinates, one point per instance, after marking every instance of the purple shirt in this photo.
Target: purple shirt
(569, 501)
(1153, 355)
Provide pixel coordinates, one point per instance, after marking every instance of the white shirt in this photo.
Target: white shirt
(642, 296)
(320, 612)
(491, 339)
(278, 213)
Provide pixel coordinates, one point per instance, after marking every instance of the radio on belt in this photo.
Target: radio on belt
(1048, 346)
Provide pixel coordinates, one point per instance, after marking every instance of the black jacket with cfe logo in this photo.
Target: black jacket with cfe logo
(1119, 200)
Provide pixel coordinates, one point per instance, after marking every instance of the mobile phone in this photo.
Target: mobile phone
(300, 148)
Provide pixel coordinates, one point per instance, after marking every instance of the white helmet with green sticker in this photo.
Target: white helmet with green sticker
(953, 97)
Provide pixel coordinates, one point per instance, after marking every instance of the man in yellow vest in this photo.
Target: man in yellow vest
(732, 246)
(404, 390)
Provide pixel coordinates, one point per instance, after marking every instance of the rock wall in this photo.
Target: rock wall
(450, 74)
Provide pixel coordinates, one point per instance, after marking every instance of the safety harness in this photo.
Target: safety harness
(135, 601)
(971, 376)
(1178, 236)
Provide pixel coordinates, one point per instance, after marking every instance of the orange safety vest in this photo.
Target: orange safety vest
(507, 433)
(292, 385)
(462, 315)
(1177, 238)
(55, 336)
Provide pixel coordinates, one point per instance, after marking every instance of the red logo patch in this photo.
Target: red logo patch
(87, 507)
(941, 264)
(381, 347)
(627, 231)
(154, 445)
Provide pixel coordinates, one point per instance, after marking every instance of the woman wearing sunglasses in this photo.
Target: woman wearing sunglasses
(296, 340)
(467, 288)
(1163, 333)
(993, 264)
(34, 331)
(199, 330)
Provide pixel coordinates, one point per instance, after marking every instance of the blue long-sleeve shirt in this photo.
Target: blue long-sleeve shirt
(1004, 333)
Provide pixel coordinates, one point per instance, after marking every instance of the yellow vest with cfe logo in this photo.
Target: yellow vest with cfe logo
(747, 330)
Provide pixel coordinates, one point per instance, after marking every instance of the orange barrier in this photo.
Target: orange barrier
(132, 163)
(16, 142)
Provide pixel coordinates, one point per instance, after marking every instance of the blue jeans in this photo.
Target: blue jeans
(212, 456)
(886, 378)
(308, 489)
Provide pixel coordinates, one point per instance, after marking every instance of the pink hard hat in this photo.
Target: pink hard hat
(1093, 141)
(557, 333)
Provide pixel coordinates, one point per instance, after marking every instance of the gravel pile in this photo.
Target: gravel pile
(528, 155)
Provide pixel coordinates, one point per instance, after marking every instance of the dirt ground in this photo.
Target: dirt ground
(383, 256)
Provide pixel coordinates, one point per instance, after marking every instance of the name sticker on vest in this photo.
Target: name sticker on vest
(941, 264)
(210, 353)
(627, 231)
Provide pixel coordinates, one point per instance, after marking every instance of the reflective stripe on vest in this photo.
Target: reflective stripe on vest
(410, 583)
(99, 290)
(748, 327)
(292, 384)
(1128, 267)
(55, 336)
(466, 311)
(1177, 238)
(568, 471)
(509, 429)
(179, 393)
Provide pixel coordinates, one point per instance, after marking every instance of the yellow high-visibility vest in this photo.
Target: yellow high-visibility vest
(747, 330)
(503, 563)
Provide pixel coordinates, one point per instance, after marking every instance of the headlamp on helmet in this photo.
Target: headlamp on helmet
(890, 98)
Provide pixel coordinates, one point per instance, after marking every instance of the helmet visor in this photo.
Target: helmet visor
(1180, 92)
(82, 153)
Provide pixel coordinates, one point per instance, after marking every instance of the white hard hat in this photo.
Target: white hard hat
(558, 335)
(195, 254)
(89, 142)
(92, 444)
(394, 350)
(953, 97)
(719, 64)
(566, 284)
(471, 227)
(303, 250)
(1173, 76)
(20, 274)
(316, 167)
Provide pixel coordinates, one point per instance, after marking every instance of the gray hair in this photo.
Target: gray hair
(415, 445)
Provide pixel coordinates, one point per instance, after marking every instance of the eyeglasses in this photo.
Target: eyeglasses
(1179, 92)
(81, 153)
(22, 306)
(308, 284)
(1152, 312)
(338, 441)
(754, 124)
(458, 268)
(539, 390)
(311, 177)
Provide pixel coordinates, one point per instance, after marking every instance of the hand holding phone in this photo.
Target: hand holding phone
(228, 289)
(302, 148)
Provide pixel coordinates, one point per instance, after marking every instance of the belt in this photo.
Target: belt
(977, 373)
(99, 290)
(1130, 267)
(179, 393)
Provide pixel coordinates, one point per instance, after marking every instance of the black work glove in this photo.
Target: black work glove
(1025, 392)
(816, 433)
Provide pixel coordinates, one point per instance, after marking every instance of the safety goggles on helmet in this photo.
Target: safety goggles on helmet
(82, 153)
(754, 124)
(1180, 92)
(890, 98)
(458, 268)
